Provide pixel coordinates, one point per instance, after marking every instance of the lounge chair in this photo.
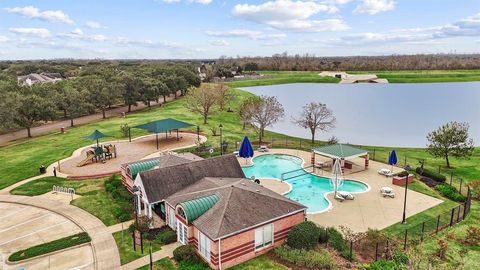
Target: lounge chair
(387, 192)
(263, 148)
(339, 198)
(236, 153)
(385, 172)
(346, 195)
(319, 164)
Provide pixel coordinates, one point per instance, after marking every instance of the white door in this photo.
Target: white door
(182, 233)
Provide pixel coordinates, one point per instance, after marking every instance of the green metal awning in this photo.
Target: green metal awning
(141, 166)
(344, 151)
(197, 207)
(163, 125)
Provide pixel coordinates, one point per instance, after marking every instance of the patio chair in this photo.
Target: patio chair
(339, 198)
(387, 192)
(263, 148)
(385, 172)
(346, 195)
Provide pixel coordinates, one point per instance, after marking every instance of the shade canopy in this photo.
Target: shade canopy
(340, 151)
(392, 159)
(246, 149)
(163, 125)
(96, 135)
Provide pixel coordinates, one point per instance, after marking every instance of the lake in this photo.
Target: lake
(380, 114)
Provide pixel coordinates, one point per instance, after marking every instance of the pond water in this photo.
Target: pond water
(380, 114)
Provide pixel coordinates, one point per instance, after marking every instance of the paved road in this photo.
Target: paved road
(103, 244)
(56, 125)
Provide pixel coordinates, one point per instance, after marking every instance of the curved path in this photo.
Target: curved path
(103, 244)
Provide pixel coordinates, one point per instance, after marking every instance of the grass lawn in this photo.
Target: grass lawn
(262, 262)
(163, 264)
(125, 247)
(425, 76)
(94, 199)
(283, 77)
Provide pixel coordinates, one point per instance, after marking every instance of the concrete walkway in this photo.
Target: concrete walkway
(120, 226)
(103, 244)
(56, 125)
(166, 251)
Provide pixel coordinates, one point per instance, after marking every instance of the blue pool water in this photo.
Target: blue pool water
(307, 189)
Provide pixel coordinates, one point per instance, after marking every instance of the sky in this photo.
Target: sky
(200, 29)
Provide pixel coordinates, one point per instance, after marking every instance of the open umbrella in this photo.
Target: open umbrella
(96, 135)
(336, 180)
(246, 149)
(392, 159)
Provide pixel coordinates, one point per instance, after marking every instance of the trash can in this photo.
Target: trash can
(43, 169)
(62, 130)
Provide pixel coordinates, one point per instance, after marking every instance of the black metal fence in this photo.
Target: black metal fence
(373, 247)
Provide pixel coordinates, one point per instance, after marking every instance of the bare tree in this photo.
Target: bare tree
(265, 112)
(316, 116)
(201, 100)
(451, 139)
(223, 95)
(245, 110)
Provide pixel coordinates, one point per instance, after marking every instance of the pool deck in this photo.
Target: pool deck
(369, 209)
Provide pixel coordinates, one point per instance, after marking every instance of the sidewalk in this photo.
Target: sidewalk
(56, 125)
(166, 251)
(118, 227)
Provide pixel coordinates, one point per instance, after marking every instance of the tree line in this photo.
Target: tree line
(306, 62)
(94, 89)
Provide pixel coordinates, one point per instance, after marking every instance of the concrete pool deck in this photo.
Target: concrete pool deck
(369, 209)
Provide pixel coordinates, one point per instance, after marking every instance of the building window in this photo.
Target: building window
(204, 245)
(181, 213)
(182, 232)
(263, 236)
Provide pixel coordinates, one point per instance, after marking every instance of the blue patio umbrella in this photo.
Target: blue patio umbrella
(246, 149)
(392, 159)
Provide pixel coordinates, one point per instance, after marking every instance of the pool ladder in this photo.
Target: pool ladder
(283, 178)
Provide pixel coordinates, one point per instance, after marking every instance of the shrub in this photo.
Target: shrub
(473, 236)
(315, 259)
(429, 182)
(450, 192)
(183, 253)
(59, 244)
(400, 257)
(442, 248)
(193, 264)
(383, 265)
(304, 236)
(166, 237)
(335, 239)
(431, 174)
(475, 189)
(402, 174)
(323, 234)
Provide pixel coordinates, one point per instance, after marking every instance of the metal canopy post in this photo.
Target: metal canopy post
(156, 134)
(177, 135)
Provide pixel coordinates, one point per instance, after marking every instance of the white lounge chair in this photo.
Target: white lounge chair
(263, 148)
(339, 198)
(387, 192)
(236, 153)
(346, 195)
(385, 172)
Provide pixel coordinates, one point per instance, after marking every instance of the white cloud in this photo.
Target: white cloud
(77, 31)
(219, 42)
(203, 2)
(47, 15)
(93, 25)
(469, 26)
(4, 39)
(234, 33)
(291, 15)
(374, 6)
(37, 32)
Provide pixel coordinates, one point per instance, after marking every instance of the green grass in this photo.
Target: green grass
(262, 262)
(55, 245)
(125, 247)
(163, 264)
(425, 76)
(283, 77)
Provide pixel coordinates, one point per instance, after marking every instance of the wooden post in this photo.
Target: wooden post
(461, 182)
(438, 223)
(376, 251)
(423, 231)
(458, 213)
(405, 240)
(451, 216)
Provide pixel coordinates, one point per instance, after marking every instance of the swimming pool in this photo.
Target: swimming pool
(307, 189)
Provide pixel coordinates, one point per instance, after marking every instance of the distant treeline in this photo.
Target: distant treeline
(285, 62)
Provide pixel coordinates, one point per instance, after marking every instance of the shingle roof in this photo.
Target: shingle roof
(340, 151)
(163, 182)
(243, 204)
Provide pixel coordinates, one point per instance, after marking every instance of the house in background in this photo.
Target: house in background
(44, 77)
(211, 205)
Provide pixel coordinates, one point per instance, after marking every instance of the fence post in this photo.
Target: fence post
(376, 252)
(405, 240)
(451, 178)
(451, 216)
(373, 153)
(423, 231)
(326, 237)
(438, 223)
(405, 163)
(387, 249)
(461, 182)
(458, 213)
(351, 250)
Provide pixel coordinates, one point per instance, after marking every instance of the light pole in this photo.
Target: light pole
(404, 220)
(221, 141)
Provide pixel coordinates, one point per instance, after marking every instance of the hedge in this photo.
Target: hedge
(335, 239)
(59, 244)
(304, 235)
(431, 174)
(184, 253)
(450, 192)
(166, 237)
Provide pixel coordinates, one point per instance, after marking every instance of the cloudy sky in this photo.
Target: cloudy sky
(45, 29)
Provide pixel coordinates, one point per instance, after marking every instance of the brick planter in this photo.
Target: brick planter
(400, 181)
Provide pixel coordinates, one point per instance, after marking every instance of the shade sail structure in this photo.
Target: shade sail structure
(340, 151)
(163, 125)
(96, 135)
(246, 149)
